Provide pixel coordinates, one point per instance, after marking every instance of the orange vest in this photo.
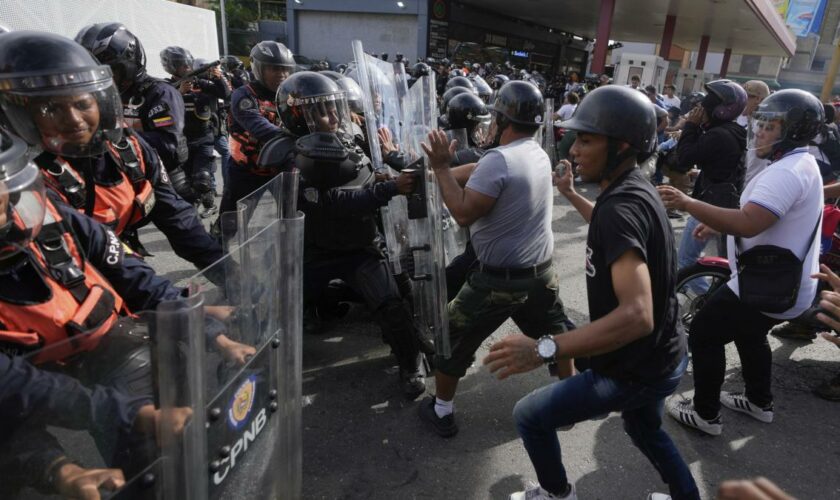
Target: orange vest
(245, 149)
(82, 305)
(118, 206)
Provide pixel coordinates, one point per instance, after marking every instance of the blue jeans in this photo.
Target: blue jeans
(587, 395)
(221, 146)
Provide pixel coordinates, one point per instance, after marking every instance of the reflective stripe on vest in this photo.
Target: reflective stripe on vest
(118, 206)
(82, 305)
(244, 148)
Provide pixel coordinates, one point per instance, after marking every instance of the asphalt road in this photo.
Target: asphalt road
(363, 440)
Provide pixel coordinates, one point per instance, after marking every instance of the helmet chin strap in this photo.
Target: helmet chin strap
(614, 158)
(501, 124)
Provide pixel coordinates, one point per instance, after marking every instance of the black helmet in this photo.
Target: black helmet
(725, 100)
(268, 53)
(800, 115)
(469, 112)
(455, 73)
(56, 96)
(597, 115)
(420, 70)
(481, 87)
(231, 63)
(352, 91)
(177, 61)
(305, 99)
(691, 102)
(519, 102)
(461, 81)
(498, 81)
(22, 197)
(449, 94)
(114, 45)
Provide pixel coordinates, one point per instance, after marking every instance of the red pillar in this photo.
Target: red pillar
(602, 38)
(667, 36)
(701, 54)
(724, 66)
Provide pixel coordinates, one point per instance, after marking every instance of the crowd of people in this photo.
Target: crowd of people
(92, 148)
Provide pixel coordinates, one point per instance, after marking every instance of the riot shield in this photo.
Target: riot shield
(426, 214)
(384, 91)
(244, 385)
(548, 142)
(275, 199)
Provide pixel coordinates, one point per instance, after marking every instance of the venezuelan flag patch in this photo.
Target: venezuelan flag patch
(163, 121)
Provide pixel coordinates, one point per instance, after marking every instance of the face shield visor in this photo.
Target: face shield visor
(325, 113)
(271, 76)
(481, 131)
(22, 198)
(69, 114)
(766, 130)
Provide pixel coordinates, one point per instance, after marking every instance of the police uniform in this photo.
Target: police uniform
(130, 190)
(156, 110)
(252, 123)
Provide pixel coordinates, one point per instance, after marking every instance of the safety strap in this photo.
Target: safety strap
(128, 160)
(72, 188)
(60, 263)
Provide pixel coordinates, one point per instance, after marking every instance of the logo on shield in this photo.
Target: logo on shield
(242, 403)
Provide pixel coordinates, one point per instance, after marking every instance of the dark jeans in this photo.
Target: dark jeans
(240, 183)
(201, 160)
(222, 147)
(588, 394)
(722, 320)
(484, 302)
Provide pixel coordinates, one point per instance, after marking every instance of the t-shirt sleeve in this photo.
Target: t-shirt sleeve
(623, 227)
(489, 175)
(777, 191)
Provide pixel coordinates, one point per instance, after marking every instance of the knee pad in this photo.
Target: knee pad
(202, 182)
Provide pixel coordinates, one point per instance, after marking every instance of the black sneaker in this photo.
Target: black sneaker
(445, 427)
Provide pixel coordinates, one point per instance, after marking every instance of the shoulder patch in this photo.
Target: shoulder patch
(246, 103)
(158, 108)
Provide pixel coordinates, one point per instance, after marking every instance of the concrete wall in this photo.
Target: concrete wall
(329, 34)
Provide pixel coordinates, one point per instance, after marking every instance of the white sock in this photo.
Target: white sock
(443, 408)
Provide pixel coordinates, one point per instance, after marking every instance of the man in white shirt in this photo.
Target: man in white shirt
(570, 103)
(669, 98)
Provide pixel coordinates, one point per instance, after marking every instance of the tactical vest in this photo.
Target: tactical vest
(81, 306)
(244, 148)
(119, 205)
(199, 112)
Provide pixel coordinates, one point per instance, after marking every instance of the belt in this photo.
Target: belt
(515, 272)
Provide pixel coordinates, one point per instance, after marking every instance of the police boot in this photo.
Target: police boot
(397, 330)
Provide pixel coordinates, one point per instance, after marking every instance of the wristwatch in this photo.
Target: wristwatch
(547, 350)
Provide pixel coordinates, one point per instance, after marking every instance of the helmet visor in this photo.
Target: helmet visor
(271, 76)
(481, 131)
(73, 120)
(22, 206)
(459, 135)
(327, 113)
(766, 129)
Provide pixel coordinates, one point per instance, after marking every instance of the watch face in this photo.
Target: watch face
(546, 348)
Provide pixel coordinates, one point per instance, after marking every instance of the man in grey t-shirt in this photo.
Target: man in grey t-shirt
(507, 202)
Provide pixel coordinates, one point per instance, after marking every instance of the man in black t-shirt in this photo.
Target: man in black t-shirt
(635, 345)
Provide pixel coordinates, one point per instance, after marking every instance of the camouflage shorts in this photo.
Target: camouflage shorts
(485, 302)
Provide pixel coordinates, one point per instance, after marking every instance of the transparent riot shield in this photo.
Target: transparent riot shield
(426, 214)
(384, 91)
(232, 354)
(548, 142)
(80, 399)
(275, 199)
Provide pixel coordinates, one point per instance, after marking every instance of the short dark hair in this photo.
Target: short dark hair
(650, 88)
(635, 77)
(521, 128)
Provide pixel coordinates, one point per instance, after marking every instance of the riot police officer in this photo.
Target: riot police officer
(201, 94)
(150, 105)
(235, 71)
(72, 112)
(340, 197)
(467, 111)
(253, 121)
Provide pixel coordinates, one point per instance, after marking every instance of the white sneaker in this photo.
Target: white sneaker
(682, 410)
(738, 401)
(658, 496)
(537, 493)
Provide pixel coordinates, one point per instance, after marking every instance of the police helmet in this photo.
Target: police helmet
(352, 91)
(56, 96)
(268, 54)
(481, 87)
(113, 44)
(785, 120)
(231, 63)
(519, 102)
(310, 102)
(22, 197)
(420, 70)
(177, 61)
(468, 111)
(461, 81)
(498, 81)
(449, 94)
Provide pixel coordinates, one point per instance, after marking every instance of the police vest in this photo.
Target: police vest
(119, 205)
(199, 112)
(81, 305)
(244, 148)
